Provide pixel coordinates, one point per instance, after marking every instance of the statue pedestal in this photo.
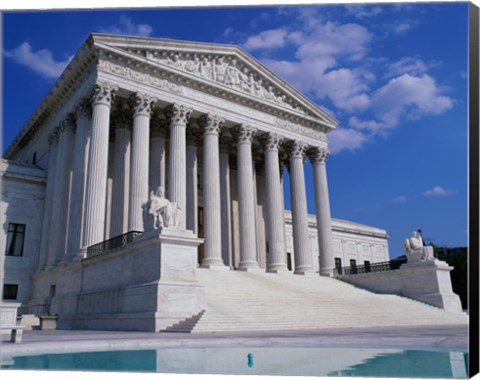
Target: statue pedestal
(429, 281)
(147, 286)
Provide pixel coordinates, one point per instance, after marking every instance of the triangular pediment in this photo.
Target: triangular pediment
(227, 66)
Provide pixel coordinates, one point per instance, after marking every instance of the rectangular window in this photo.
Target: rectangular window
(367, 266)
(353, 266)
(10, 292)
(15, 239)
(338, 265)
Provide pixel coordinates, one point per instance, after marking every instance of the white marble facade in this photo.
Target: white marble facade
(208, 123)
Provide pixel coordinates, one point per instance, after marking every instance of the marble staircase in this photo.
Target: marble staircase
(258, 301)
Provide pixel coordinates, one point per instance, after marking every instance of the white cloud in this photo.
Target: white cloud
(345, 139)
(408, 65)
(269, 39)
(437, 191)
(41, 61)
(331, 61)
(331, 39)
(405, 96)
(128, 27)
(402, 28)
(363, 11)
(399, 199)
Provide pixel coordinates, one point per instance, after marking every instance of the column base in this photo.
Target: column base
(305, 271)
(214, 266)
(328, 272)
(212, 263)
(277, 269)
(248, 266)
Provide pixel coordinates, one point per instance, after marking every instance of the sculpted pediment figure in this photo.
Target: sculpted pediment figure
(225, 65)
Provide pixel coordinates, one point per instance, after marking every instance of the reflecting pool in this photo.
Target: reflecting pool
(296, 361)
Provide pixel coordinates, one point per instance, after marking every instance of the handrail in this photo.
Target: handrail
(369, 268)
(114, 243)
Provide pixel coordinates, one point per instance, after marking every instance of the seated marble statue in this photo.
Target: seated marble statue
(415, 250)
(164, 212)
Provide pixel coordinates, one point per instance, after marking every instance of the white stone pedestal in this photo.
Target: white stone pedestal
(147, 286)
(429, 282)
(8, 316)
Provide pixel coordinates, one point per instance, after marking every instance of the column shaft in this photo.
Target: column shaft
(192, 185)
(96, 187)
(177, 181)
(211, 192)
(301, 242)
(158, 128)
(59, 223)
(246, 203)
(139, 162)
(322, 203)
(121, 181)
(276, 255)
(49, 200)
(225, 202)
(78, 179)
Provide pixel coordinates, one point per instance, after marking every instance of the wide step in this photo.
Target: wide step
(246, 301)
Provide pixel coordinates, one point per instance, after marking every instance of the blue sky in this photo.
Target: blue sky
(394, 75)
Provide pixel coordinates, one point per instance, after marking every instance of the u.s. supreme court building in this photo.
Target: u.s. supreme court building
(211, 126)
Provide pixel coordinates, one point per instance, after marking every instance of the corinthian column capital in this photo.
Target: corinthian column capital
(211, 124)
(297, 149)
(273, 142)
(84, 109)
(319, 155)
(245, 134)
(142, 104)
(103, 93)
(178, 114)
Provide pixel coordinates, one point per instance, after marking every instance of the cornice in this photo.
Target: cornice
(114, 58)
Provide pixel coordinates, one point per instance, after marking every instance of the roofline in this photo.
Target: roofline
(43, 110)
(314, 107)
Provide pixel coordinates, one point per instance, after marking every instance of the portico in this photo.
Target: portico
(153, 115)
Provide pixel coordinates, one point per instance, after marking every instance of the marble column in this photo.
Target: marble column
(276, 255)
(318, 157)
(96, 187)
(49, 199)
(301, 242)
(83, 116)
(142, 105)
(193, 137)
(59, 222)
(211, 191)
(177, 181)
(158, 131)
(122, 121)
(246, 202)
(225, 202)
